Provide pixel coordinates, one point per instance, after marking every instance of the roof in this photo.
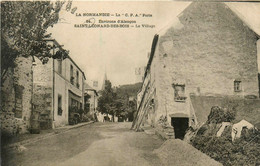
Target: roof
(55, 41)
(89, 88)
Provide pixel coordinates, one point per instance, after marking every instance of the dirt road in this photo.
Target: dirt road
(106, 144)
(93, 145)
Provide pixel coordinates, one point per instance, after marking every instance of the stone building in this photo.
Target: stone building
(92, 101)
(57, 86)
(207, 52)
(16, 96)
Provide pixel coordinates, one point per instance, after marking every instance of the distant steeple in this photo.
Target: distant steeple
(104, 81)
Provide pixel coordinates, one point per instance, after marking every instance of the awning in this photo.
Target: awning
(74, 96)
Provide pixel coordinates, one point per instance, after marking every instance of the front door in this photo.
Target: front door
(180, 126)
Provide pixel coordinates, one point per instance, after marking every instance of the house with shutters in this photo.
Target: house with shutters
(58, 85)
(205, 57)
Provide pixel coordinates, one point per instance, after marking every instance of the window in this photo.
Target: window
(59, 105)
(71, 75)
(77, 79)
(59, 66)
(237, 86)
(18, 111)
(179, 93)
(75, 103)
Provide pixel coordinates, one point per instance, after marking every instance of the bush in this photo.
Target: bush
(219, 115)
(243, 151)
(240, 152)
(75, 115)
(85, 118)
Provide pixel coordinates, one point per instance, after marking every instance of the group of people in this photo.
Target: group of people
(106, 118)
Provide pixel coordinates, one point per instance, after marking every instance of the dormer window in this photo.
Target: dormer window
(179, 92)
(237, 86)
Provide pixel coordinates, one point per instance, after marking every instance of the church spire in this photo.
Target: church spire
(104, 81)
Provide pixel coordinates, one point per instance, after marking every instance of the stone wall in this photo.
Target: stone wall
(16, 96)
(42, 102)
(207, 49)
(42, 92)
(247, 109)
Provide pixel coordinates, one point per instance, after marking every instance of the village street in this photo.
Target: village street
(95, 144)
(106, 144)
(138, 67)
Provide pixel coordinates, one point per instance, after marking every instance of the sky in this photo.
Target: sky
(118, 51)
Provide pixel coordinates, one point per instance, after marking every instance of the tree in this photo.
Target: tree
(105, 101)
(116, 101)
(87, 104)
(110, 102)
(24, 27)
(128, 93)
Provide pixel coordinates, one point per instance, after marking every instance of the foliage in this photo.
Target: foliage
(105, 101)
(75, 109)
(87, 104)
(130, 90)
(219, 115)
(116, 101)
(243, 151)
(24, 27)
(76, 115)
(87, 97)
(128, 93)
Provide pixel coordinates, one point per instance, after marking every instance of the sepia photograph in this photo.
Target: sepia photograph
(130, 83)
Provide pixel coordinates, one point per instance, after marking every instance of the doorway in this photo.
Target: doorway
(180, 126)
